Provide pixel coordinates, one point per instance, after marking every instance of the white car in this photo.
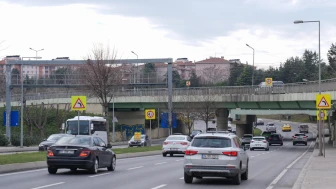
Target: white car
(259, 142)
(175, 144)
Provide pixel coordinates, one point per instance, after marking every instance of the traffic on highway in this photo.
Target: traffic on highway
(236, 166)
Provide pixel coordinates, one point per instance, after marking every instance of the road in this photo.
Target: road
(277, 168)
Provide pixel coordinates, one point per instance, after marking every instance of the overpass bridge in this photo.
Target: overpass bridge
(296, 98)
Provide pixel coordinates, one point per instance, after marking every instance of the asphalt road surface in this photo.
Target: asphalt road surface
(277, 168)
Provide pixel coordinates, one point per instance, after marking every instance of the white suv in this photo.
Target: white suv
(216, 154)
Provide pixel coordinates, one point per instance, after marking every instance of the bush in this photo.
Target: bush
(4, 140)
(27, 140)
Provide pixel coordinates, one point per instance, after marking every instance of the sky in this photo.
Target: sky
(193, 29)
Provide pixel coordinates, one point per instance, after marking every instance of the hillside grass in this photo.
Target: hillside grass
(294, 118)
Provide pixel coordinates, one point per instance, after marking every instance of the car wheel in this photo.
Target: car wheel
(52, 170)
(171, 155)
(164, 154)
(237, 179)
(145, 144)
(113, 164)
(244, 176)
(293, 144)
(73, 169)
(187, 179)
(281, 144)
(251, 149)
(305, 144)
(267, 149)
(199, 177)
(94, 167)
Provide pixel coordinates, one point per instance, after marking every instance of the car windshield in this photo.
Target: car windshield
(211, 142)
(247, 136)
(54, 137)
(78, 140)
(271, 124)
(275, 136)
(176, 138)
(304, 126)
(299, 134)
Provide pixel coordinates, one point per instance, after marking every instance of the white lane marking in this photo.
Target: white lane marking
(99, 175)
(160, 163)
(160, 186)
(123, 159)
(179, 160)
(276, 180)
(135, 168)
(252, 156)
(181, 178)
(46, 186)
(22, 172)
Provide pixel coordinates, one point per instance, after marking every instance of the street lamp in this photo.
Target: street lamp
(136, 65)
(36, 51)
(319, 74)
(253, 65)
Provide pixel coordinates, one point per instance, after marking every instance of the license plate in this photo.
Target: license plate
(209, 156)
(66, 151)
(258, 145)
(173, 149)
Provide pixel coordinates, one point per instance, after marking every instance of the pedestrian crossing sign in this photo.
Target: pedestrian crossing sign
(323, 101)
(78, 102)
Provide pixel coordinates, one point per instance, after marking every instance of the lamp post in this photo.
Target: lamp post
(319, 74)
(136, 65)
(253, 65)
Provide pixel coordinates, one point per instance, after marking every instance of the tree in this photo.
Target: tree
(149, 73)
(235, 70)
(245, 77)
(102, 76)
(332, 60)
(37, 116)
(207, 108)
(187, 116)
(2, 85)
(176, 79)
(194, 80)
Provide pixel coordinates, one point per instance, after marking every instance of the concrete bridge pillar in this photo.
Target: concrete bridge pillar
(222, 115)
(246, 128)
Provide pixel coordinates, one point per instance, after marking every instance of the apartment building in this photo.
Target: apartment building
(213, 70)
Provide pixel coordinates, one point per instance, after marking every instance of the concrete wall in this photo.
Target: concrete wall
(156, 133)
(130, 118)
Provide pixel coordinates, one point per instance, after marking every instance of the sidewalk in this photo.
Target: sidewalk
(319, 171)
(8, 149)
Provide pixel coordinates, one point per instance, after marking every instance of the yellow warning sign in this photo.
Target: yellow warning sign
(318, 114)
(137, 136)
(150, 114)
(323, 101)
(269, 82)
(78, 102)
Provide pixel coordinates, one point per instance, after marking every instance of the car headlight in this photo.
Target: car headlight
(41, 145)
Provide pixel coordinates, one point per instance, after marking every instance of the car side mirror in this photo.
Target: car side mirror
(109, 146)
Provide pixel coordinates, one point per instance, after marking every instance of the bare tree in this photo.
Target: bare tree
(102, 75)
(213, 74)
(187, 113)
(2, 85)
(62, 114)
(207, 107)
(37, 115)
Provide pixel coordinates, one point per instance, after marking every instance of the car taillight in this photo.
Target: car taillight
(84, 153)
(191, 152)
(270, 138)
(231, 153)
(165, 143)
(50, 153)
(305, 137)
(264, 141)
(294, 136)
(251, 141)
(184, 143)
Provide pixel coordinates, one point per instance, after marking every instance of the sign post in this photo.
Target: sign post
(323, 102)
(149, 115)
(78, 103)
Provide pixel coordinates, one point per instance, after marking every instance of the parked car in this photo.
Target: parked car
(194, 133)
(275, 138)
(259, 142)
(270, 127)
(246, 139)
(260, 122)
(303, 128)
(175, 144)
(46, 143)
(80, 151)
(216, 154)
(143, 142)
(300, 138)
(286, 127)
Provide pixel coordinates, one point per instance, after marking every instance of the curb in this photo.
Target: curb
(299, 181)
(43, 164)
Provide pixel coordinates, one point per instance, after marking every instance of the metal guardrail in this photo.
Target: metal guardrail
(306, 87)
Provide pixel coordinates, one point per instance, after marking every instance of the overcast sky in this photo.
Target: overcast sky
(195, 29)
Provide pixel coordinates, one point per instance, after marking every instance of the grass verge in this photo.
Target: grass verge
(294, 118)
(256, 132)
(41, 156)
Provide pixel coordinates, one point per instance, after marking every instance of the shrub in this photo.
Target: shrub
(4, 140)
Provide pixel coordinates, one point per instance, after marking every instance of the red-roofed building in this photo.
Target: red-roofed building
(213, 70)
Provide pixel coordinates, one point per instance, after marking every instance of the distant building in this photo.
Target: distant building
(213, 70)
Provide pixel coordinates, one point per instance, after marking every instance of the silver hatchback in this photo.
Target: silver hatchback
(216, 154)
